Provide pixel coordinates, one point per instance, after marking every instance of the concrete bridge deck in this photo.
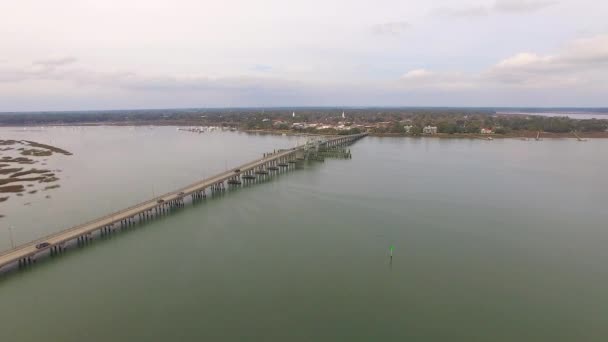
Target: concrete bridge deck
(25, 252)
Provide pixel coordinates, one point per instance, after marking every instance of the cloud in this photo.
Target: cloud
(417, 74)
(262, 68)
(36, 70)
(62, 70)
(467, 12)
(498, 7)
(524, 6)
(579, 70)
(581, 63)
(394, 28)
(53, 62)
(425, 79)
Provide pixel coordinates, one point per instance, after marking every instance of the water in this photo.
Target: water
(498, 240)
(116, 167)
(577, 115)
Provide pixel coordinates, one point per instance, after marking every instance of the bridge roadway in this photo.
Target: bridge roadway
(26, 251)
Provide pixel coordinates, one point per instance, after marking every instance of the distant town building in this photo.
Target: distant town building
(408, 128)
(429, 130)
(486, 131)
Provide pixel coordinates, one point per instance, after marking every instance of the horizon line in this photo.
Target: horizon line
(306, 107)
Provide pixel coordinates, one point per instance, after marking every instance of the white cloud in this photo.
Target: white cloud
(394, 28)
(522, 60)
(498, 7)
(522, 5)
(417, 74)
(52, 62)
(445, 81)
(465, 12)
(582, 63)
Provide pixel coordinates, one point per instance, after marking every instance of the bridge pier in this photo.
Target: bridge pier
(26, 261)
(55, 250)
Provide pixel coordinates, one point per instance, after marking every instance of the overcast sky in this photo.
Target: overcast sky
(110, 54)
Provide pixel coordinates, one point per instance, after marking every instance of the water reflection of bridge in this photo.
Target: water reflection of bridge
(267, 166)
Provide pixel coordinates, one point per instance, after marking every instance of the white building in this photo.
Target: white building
(486, 131)
(408, 128)
(429, 130)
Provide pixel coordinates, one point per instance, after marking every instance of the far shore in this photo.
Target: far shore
(512, 135)
(519, 135)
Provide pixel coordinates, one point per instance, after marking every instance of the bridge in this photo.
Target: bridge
(269, 164)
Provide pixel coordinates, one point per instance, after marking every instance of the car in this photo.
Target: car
(42, 245)
(181, 194)
(237, 170)
(160, 201)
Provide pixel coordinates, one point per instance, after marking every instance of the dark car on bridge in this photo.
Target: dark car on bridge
(237, 170)
(160, 201)
(42, 245)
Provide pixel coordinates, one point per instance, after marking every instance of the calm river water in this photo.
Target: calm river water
(500, 240)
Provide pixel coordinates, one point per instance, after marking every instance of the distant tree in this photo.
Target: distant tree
(416, 130)
(473, 127)
(448, 127)
(397, 127)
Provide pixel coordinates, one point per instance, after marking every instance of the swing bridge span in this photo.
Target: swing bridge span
(269, 164)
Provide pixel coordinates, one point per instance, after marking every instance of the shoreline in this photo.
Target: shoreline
(523, 136)
(531, 135)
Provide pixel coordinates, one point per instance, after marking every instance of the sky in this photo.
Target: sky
(127, 54)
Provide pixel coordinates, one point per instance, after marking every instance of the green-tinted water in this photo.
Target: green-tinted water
(494, 241)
